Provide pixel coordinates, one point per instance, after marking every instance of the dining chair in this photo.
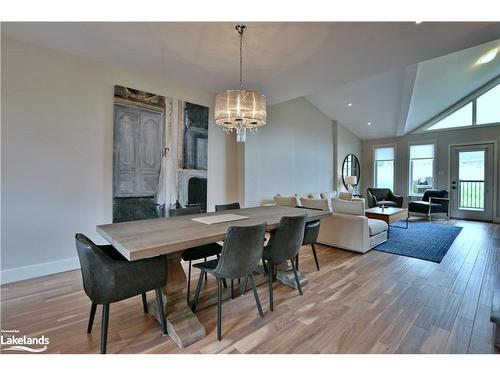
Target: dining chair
(108, 277)
(198, 252)
(284, 245)
(311, 231)
(229, 206)
(241, 253)
(225, 207)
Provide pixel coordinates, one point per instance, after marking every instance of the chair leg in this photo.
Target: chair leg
(219, 309)
(270, 271)
(264, 266)
(189, 283)
(315, 257)
(144, 303)
(243, 286)
(257, 301)
(206, 276)
(232, 289)
(297, 261)
(91, 317)
(198, 289)
(223, 280)
(161, 311)
(104, 327)
(296, 277)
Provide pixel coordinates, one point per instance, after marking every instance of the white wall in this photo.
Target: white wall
(443, 140)
(347, 143)
(293, 153)
(57, 150)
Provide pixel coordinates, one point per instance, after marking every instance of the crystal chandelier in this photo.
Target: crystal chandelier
(240, 109)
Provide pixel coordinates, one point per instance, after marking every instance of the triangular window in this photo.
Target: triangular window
(482, 109)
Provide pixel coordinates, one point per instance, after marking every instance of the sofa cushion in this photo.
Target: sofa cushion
(328, 195)
(377, 226)
(318, 204)
(345, 196)
(348, 207)
(291, 201)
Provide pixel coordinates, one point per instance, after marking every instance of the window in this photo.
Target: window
(421, 168)
(483, 108)
(384, 167)
(462, 117)
(488, 106)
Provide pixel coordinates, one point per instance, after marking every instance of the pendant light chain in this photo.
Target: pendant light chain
(241, 30)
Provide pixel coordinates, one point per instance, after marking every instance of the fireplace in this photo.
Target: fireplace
(192, 187)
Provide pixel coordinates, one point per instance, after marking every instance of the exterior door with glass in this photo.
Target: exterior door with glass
(471, 191)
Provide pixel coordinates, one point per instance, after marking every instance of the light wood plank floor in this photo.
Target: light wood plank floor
(357, 303)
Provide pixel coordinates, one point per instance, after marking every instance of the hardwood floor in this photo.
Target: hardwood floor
(357, 303)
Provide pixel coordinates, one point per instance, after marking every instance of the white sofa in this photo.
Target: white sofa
(348, 227)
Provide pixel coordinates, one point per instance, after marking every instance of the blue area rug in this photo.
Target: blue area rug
(428, 241)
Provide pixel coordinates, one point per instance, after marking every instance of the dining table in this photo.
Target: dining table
(171, 236)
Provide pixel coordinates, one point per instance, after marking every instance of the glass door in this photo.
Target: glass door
(472, 182)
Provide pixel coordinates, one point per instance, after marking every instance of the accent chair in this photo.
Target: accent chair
(383, 196)
(433, 201)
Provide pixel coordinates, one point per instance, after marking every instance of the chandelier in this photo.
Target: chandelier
(241, 109)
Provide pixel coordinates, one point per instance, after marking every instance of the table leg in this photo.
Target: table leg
(285, 275)
(182, 324)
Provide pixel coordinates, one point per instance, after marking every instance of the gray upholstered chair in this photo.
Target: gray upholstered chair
(433, 202)
(198, 252)
(376, 197)
(284, 245)
(311, 232)
(108, 277)
(191, 210)
(229, 206)
(241, 253)
(225, 207)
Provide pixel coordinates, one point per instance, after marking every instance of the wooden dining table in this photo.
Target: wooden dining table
(170, 237)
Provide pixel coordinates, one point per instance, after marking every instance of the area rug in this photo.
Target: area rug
(428, 241)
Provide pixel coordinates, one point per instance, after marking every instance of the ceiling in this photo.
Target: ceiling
(374, 65)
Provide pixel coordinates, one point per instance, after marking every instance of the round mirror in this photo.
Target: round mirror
(351, 169)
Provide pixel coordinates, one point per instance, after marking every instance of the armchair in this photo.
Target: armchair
(378, 196)
(433, 202)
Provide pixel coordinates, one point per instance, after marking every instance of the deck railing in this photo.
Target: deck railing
(472, 194)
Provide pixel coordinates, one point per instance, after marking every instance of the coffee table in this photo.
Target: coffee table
(389, 215)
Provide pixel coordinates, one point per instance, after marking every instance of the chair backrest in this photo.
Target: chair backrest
(286, 240)
(379, 193)
(242, 251)
(311, 231)
(229, 206)
(136, 208)
(434, 193)
(94, 264)
(185, 211)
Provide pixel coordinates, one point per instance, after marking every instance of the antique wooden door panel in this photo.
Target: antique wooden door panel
(150, 152)
(138, 140)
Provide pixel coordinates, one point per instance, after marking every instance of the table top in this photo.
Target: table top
(148, 238)
(386, 211)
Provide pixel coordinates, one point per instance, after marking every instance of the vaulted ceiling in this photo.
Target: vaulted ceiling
(386, 70)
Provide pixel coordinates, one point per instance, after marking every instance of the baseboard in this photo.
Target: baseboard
(35, 270)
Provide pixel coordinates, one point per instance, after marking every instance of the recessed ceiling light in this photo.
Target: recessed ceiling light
(349, 104)
(488, 56)
(369, 124)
